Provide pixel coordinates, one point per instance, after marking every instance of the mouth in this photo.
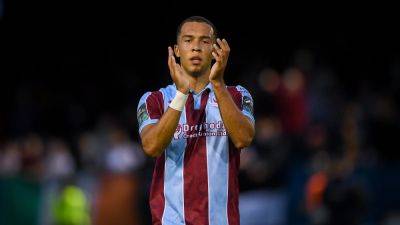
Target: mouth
(196, 60)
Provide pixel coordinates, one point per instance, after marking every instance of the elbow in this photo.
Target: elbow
(241, 145)
(245, 140)
(244, 143)
(151, 150)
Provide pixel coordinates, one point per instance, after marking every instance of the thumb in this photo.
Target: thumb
(170, 52)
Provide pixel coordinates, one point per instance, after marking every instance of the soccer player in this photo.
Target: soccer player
(196, 128)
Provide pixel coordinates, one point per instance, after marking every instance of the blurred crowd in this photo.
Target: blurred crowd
(324, 154)
(46, 181)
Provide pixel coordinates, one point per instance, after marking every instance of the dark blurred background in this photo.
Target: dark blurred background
(325, 84)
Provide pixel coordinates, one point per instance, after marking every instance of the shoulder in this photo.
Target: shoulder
(241, 96)
(238, 91)
(168, 92)
(162, 94)
(243, 99)
(151, 96)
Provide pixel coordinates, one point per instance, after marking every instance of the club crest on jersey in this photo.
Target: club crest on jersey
(213, 101)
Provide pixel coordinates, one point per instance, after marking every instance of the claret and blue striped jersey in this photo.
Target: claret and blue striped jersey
(195, 180)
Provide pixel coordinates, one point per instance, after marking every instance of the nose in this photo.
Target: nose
(196, 47)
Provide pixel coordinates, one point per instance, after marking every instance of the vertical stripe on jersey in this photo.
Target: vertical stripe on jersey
(236, 96)
(218, 171)
(234, 162)
(195, 166)
(233, 192)
(155, 108)
(174, 205)
(157, 199)
(155, 105)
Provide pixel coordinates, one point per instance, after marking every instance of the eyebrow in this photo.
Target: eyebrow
(191, 36)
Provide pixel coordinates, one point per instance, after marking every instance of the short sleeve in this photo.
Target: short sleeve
(245, 101)
(150, 109)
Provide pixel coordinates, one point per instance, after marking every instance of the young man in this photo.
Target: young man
(196, 128)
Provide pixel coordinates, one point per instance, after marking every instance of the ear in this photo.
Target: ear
(176, 50)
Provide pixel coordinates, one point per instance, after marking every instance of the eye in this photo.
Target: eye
(206, 42)
(187, 40)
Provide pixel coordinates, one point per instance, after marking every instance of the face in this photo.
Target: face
(194, 47)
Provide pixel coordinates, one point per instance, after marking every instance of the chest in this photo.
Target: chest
(200, 118)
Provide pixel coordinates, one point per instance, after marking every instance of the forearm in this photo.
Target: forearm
(156, 138)
(240, 129)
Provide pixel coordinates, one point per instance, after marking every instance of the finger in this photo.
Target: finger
(171, 61)
(226, 44)
(173, 57)
(216, 56)
(216, 52)
(171, 54)
(221, 44)
(217, 48)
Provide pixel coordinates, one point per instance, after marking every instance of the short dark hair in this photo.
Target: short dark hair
(198, 19)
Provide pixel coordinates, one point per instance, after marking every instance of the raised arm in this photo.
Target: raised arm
(239, 127)
(157, 136)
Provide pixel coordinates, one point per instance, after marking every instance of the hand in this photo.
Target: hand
(221, 54)
(177, 73)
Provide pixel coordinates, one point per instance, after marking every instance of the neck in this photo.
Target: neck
(198, 83)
